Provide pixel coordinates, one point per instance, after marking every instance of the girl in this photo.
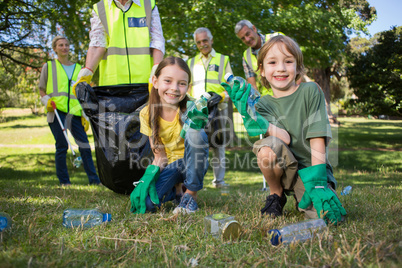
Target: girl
(56, 79)
(176, 160)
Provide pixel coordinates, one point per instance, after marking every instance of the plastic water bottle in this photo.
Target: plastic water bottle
(77, 162)
(199, 105)
(5, 221)
(300, 231)
(84, 217)
(346, 190)
(253, 97)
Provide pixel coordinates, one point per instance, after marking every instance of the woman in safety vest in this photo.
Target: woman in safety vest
(55, 85)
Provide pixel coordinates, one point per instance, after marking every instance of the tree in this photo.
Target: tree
(26, 30)
(375, 74)
(320, 27)
(28, 26)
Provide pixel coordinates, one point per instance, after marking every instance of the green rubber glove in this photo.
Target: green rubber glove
(199, 118)
(314, 179)
(145, 186)
(239, 97)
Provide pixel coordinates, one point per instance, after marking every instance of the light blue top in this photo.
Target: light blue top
(69, 70)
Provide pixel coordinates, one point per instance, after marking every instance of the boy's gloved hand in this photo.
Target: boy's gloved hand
(145, 186)
(239, 96)
(47, 101)
(199, 118)
(324, 200)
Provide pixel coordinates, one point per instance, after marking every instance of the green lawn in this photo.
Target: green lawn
(367, 154)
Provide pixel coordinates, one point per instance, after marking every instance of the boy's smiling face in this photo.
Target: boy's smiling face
(279, 68)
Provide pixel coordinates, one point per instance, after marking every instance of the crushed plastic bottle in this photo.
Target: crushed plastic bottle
(300, 231)
(254, 95)
(222, 226)
(346, 190)
(199, 105)
(84, 217)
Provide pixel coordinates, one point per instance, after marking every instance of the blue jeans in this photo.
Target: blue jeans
(189, 170)
(73, 123)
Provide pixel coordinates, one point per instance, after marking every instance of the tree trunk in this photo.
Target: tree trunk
(323, 77)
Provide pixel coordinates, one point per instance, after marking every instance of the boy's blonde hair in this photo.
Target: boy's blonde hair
(290, 46)
(57, 38)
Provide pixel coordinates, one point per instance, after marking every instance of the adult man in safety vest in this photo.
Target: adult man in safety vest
(208, 69)
(249, 35)
(126, 42)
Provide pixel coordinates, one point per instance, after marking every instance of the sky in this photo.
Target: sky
(388, 14)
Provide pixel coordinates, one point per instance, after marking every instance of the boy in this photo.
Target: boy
(297, 159)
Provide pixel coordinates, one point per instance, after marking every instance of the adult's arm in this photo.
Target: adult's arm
(252, 81)
(94, 56)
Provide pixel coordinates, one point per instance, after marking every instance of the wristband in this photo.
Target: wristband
(88, 69)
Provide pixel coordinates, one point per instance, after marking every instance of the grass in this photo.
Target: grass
(369, 159)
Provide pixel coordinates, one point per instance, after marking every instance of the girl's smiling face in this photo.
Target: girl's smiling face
(172, 85)
(279, 68)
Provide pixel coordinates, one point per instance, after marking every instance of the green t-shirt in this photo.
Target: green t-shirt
(303, 115)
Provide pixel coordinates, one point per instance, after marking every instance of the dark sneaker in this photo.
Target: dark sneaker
(187, 205)
(274, 205)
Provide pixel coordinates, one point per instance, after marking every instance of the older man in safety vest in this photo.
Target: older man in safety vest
(249, 35)
(208, 69)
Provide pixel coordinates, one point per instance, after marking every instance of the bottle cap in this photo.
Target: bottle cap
(228, 76)
(276, 238)
(107, 217)
(3, 223)
(231, 230)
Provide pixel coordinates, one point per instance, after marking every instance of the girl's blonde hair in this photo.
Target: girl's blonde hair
(154, 104)
(57, 38)
(290, 46)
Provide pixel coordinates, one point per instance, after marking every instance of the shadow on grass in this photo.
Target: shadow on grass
(22, 126)
(359, 134)
(6, 119)
(370, 161)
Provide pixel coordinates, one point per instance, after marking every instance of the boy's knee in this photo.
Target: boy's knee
(266, 157)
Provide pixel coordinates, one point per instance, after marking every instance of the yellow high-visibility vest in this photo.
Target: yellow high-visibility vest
(59, 88)
(128, 57)
(209, 79)
(251, 60)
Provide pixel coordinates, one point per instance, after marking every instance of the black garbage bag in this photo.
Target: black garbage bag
(216, 126)
(122, 152)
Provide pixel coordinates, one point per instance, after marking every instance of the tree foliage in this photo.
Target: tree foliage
(375, 74)
(319, 26)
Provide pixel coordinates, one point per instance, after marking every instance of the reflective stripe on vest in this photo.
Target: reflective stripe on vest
(128, 56)
(59, 87)
(210, 79)
(251, 61)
